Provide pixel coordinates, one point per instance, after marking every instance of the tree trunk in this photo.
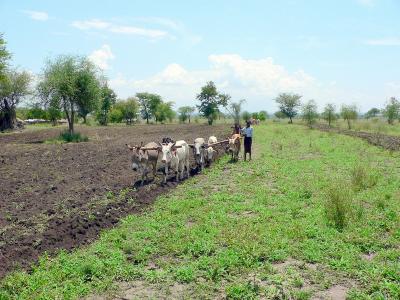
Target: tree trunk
(189, 119)
(84, 119)
(290, 120)
(147, 118)
(348, 123)
(8, 117)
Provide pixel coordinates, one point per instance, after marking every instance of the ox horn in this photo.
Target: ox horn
(130, 147)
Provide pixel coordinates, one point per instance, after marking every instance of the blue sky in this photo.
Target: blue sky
(340, 51)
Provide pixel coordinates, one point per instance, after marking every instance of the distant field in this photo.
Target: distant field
(314, 215)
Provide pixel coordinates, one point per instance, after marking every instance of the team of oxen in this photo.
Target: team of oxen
(175, 155)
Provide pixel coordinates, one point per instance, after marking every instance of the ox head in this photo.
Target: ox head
(210, 153)
(231, 144)
(139, 157)
(167, 151)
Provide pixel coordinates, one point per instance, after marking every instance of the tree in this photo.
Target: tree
(372, 113)
(280, 115)
(263, 115)
(236, 110)
(288, 104)
(108, 99)
(349, 113)
(309, 112)
(61, 87)
(36, 112)
(185, 113)
(54, 114)
(130, 110)
(246, 116)
(148, 105)
(88, 90)
(329, 113)
(14, 86)
(210, 100)
(165, 112)
(4, 57)
(392, 110)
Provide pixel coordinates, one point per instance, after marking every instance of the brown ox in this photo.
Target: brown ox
(234, 146)
(144, 158)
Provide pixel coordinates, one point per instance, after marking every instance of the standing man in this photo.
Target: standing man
(248, 139)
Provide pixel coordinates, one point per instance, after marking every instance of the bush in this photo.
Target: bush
(116, 115)
(363, 178)
(338, 205)
(75, 137)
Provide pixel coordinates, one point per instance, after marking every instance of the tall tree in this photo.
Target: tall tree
(372, 113)
(88, 92)
(210, 101)
(185, 113)
(289, 104)
(129, 109)
(246, 116)
(309, 112)
(14, 86)
(148, 105)
(4, 58)
(59, 86)
(107, 100)
(263, 115)
(349, 113)
(165, 112)
(329, 113)
(392, 110)
(235, 110)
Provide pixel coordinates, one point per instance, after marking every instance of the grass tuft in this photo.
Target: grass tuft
(338, 205)
(75, 137)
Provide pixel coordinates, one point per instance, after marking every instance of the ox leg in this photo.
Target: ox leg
(166, 174)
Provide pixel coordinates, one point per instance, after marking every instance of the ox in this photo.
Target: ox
(198, 151)
(212, 140)
(234, 146)
(176, 157)
(144, 158)
(210, 155)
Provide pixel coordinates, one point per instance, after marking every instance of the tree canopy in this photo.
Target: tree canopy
(392, 110)
(309, 112)
(289, 104)
(329, 113)
(63, 85)
(349, 113)
(210, 101)
(185, 113)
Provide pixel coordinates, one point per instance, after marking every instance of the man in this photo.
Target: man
(247, 132)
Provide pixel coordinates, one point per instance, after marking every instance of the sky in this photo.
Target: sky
(332, 51)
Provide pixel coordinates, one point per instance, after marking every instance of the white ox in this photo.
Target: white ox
(176, 157)
(198, 151)
(210, 151)
(212, 140)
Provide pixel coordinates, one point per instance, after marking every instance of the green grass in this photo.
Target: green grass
(229, 231)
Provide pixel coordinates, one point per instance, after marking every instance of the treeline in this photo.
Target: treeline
(290, 107)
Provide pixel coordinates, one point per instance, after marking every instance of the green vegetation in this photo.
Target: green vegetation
(309, 112)
(312, 210)
(288, 105)
(211, 101)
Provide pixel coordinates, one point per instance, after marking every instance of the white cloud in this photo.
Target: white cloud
(37, 15)
(96, 24)
(91, 24)
(259, 81)
(368, 3)
(391, 41)
(102, 56)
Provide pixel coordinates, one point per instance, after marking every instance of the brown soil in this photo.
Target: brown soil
(60, 196)
(388, 142)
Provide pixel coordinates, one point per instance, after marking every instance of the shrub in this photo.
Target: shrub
(75, 137)
(363, 178)
(338, 205)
